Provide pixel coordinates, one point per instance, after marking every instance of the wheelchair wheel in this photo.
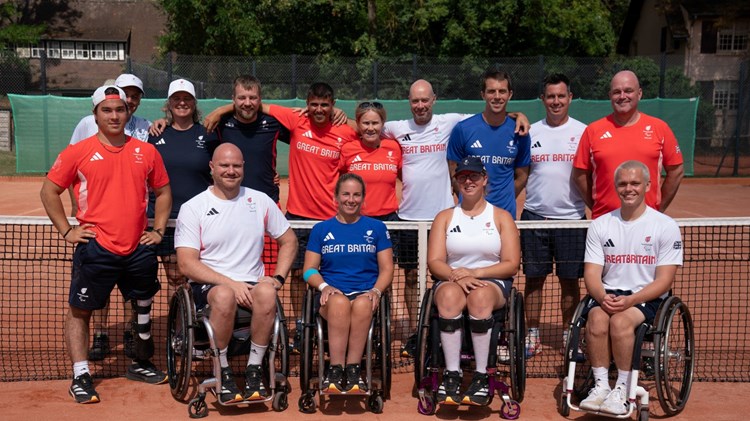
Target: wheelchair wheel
(575, 352)
(675, 355)
(180, 343)
(516, 327)
(307, 359)
(422, 359)
(384, 337)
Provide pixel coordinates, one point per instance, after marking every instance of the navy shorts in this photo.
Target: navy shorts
(96, 271)
(316, 299)
(303, 234)
(166, 247)
(648, 308)
(565, 246)
(200, 294)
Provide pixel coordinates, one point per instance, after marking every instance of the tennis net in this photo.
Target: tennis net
(35, 276)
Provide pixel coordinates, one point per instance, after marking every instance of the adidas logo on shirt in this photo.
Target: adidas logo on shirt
(609, 243)
(161, 142)
(455, 229)
(308, 134)
(356, 159)
(538, 144)
(329, 236)
(406, 138)
(606, 135)
(212, 212)
(96, 157)
(476, 144)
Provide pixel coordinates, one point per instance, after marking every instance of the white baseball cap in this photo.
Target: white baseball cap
(126, 79)
(100, 96)
(181, 85)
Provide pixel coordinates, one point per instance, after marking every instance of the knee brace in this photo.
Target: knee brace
(450, 325)
(481, 325)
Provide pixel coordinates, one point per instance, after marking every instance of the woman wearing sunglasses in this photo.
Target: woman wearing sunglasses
(376, 160)
(473, 252)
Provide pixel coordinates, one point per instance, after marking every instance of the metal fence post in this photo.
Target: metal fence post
(540, 62)
(169, 65)
(413, 67)
(662, 74)
(43, 71)
(374, 79)
(293, 88)
(741, 93)
(129, 65)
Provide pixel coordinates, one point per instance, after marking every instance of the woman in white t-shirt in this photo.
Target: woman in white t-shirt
(474, 252)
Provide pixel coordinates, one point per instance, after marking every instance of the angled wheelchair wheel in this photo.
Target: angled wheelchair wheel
(575, 349)
(516, 327)
(384, 339)
(180, 342)
(307, 357)
(674, 343)
(422, 359)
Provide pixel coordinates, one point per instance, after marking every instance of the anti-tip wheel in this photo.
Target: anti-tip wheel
(280, 402)
(197, 408)
(510, 410)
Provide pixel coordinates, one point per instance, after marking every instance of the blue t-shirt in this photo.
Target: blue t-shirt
(186, 156)
(501, 151)
(348, 252)
(257, 141)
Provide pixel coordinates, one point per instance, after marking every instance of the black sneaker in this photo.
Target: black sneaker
(99, 347)
(333, 383)
(82, 389)
(254, 388)
(230, 393)
(128, 346)
(354, 382)
(409, 348)
(448, 392)
(145, 371)
(478, 392)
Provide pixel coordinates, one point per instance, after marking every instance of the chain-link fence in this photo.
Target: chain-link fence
(722, 128)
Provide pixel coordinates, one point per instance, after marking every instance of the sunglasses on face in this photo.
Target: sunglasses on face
(368, 104)
(475, 176)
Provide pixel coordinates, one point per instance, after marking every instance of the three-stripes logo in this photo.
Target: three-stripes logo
(609, 243)
(606, 135)
(406, 138)
(96, 157)
(356, 159)
(537, 144)
(455, 229)
(308, 134)
(212, 212)
(476, 144)
(329, 236)
(161, 142)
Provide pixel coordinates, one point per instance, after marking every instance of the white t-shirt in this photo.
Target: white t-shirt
(425, 175)
(136, 127)
(472, 242)
(630, 251)
(550, 191)
(229, 233)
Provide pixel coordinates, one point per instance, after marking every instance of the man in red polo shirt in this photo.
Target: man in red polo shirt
(111, 174)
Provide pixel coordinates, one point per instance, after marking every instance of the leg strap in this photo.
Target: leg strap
(481, 325)
(450, 325)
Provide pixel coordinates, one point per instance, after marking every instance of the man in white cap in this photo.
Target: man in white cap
(111, 174)
(136, 127)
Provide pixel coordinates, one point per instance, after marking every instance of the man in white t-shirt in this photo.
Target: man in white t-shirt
(551, 195)
(426, 181)
(632, 255)
(219, 243)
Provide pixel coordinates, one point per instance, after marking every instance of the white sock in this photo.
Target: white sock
(80, 368)
(256, 353)
(533, 332)
(223, 362)
(622, 378)
(601, 376)
(451, 342)
(481, 343)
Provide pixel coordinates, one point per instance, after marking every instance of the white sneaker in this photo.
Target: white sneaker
(616, 402)
(503, 354)
(597, 395)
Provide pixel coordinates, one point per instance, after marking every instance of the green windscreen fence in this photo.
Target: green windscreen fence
(44, 124)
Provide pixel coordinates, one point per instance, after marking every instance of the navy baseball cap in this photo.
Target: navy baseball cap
(471, 164)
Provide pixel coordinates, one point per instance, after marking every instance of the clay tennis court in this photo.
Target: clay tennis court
(123, 399)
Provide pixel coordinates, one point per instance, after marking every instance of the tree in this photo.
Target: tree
(13, 30)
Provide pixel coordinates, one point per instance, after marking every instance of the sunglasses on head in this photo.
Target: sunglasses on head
(367, 104)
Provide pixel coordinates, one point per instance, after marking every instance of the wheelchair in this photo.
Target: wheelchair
(508, 330)
(190, 338)
(664, 352)
(376, 359)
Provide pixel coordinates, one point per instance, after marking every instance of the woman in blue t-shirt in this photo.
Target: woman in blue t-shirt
(350, 261)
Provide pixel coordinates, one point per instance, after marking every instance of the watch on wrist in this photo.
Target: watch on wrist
(279, 278)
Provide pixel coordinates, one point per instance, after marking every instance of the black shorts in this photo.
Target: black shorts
(166, 247)
(200, 294)
(96, 271)
(563, 246)
(303, 234)
(648, 308)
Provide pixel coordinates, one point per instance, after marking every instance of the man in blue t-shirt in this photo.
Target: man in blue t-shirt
(490, 136)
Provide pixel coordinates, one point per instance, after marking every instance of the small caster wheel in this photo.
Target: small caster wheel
(564, 408)
(307, 404)
(643, 414)
(280, 402)
(428, 407)
(510, 410)
(197, 407)
(375, 403)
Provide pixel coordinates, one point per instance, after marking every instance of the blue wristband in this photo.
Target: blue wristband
(308, 273)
